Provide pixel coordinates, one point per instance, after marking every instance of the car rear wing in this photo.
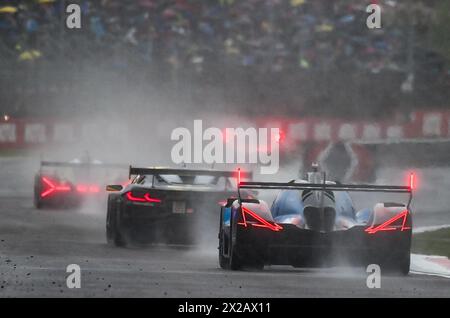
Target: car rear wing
(189, 172)
(330, 187)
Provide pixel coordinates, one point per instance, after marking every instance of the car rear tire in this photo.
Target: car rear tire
(37, 202)
(256, 265)
(238, 258)
(37, 193)
(396, 264)
(223, 260)
(235, 259)
(402, 264)
(113, 235)
(401, 259)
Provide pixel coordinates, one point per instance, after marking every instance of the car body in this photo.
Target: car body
(167, 205)
(68, 184)
(314, 224)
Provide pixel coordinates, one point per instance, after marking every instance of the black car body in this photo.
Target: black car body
(165, 205)
(315, 224)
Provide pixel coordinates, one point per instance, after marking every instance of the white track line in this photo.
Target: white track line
(424, 229)
(429, 265)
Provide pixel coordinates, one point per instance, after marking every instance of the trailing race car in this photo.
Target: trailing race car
(314, 223)
(67, 184)
(166, 205)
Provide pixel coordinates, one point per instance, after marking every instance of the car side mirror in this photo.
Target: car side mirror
(114, 188)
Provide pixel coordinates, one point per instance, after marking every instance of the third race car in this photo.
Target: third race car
(67, 184)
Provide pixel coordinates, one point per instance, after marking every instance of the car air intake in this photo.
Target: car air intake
(318, 219)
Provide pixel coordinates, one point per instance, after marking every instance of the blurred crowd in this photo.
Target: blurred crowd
(266, 36)
(276, 34)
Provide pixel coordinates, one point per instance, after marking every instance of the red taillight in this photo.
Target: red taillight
(145, 198)
(398, 222)
(148, 198)
(52, 187)
(251, 218)
(131, 197)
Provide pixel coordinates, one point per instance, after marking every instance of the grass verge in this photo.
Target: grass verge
(432, 243)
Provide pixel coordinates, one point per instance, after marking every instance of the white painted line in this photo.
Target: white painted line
(430, 265)
(429, 274)
(424, 229)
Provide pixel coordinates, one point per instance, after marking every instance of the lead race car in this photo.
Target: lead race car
(314, 223)
(61, 184)
(168, 205)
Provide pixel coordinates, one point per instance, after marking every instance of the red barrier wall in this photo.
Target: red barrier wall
(422, 126)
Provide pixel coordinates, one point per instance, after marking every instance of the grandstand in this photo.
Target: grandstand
(303, 57)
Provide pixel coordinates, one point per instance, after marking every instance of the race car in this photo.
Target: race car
(168, 205)
(314, 223)
(68, 184)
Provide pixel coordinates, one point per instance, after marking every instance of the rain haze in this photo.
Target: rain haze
(363, 106)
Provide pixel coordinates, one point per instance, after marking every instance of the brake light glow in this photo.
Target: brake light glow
(94, 189)
(52, 187)
(145, 198)
(412, 181)
(222, 203)
(126, 183)
(239, 176)
(259, 221)
(279, 137)
(82, 188)
(85, 188)
(389, 224)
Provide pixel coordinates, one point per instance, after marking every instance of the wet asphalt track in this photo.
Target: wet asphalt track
(36, 247)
